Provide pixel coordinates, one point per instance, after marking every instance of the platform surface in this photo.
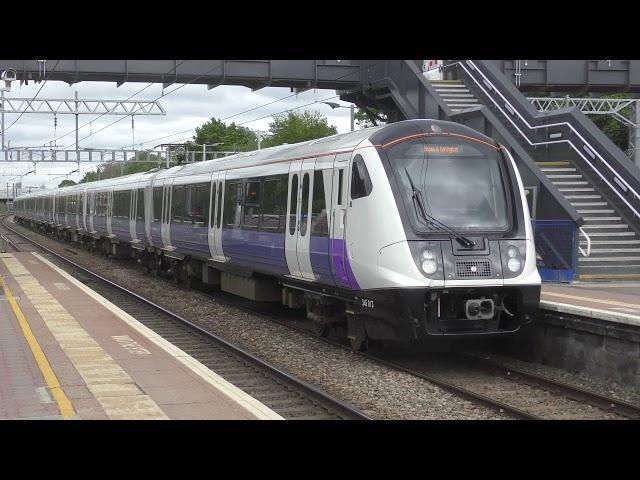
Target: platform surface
(615, 302)
(68, 353)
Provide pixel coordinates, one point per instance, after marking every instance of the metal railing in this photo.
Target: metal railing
(588, 252)
(590, 150)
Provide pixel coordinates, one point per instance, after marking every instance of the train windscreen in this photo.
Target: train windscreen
(459, 183)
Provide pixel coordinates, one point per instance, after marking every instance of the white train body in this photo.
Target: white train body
(350, 226)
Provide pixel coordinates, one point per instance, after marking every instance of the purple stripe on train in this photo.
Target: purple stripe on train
(341, 266)
(263, 251)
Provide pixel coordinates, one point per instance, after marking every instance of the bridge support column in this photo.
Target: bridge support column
(636, 134)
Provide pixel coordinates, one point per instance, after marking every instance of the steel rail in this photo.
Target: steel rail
(334, 403)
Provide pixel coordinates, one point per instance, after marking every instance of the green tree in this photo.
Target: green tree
(294, 127)
(231, 137)
(141, 163)
(363, 121)
(66, 183)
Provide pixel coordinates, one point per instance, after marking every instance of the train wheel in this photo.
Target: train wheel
(321, 329)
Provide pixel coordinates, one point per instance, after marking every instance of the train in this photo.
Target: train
(418, 229)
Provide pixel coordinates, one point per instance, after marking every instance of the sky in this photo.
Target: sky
(187, 107)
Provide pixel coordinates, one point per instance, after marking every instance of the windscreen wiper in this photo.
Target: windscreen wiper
(419, 206)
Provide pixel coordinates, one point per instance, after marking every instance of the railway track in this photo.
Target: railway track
(287, 395)
(513, 392)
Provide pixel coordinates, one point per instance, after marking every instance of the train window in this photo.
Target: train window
(157, 203)
(304, 210)
(319, 222)
(360, 182)
(212, 210)
(219, 205)
(251, 204)
(232, 204)
(140, 205)
(199, 203)
(179, 204)
(340, 181)
(294, 204)
(81, 202)
(273, 204)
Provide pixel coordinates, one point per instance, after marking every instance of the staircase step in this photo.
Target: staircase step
(601, 212)
(610, 259)
(557, 163)
(598, 251)
(567, 176)
(582, 197)
(583, 189)
(589, 204)
(601, 219)
(575, 183)
(560, 169)
(610, 242)
(458, 95)
(459, 100)
(619, 225)
(447, 91)
(465, 105)
(610, 234)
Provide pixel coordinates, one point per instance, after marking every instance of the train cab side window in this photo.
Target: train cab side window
(319, 222)
(252, 204)
(360, 182)
(157, 203)
(340, 183)
(140, 204)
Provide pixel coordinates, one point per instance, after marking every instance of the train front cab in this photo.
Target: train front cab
(432, 282)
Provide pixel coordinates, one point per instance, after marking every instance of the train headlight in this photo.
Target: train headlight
(429, 267)
(514, 253)
(428, 255)
(514, 264)
(429, 263)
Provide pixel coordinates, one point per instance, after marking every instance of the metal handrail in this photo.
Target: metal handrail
(513, 110)
(588, 243)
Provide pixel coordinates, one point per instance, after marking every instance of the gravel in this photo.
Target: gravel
(379, 391)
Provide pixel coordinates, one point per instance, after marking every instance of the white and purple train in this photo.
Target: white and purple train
(411, 230)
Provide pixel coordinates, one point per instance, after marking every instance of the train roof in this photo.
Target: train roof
(327, 145)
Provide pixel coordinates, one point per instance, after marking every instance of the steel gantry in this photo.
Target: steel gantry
(625, 110)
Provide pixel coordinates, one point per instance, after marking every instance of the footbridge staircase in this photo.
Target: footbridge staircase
(583, 190)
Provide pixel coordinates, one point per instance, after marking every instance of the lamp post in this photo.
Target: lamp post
(334, 105)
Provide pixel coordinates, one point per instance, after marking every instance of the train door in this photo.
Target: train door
(109, 210)
(91, 194)
(337, 246)
(298, 232)
(133, 204)
(293, 208)
(165, 229)
(215, 216)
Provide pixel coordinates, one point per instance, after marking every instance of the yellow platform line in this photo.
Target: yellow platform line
(609, 276)
(64, 404)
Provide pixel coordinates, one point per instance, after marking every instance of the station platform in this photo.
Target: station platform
(68, 353)
(614, 302)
